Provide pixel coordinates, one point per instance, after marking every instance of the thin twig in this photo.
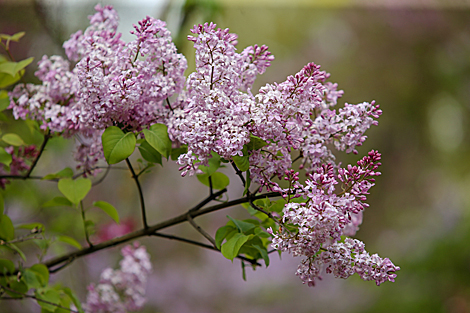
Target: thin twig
(35, 298)
(265, 212)
(211, 197)
(239, 173)
(47, 136)
(203, 245)
(102, 178)
(169, 105)
(200, 230)
(141, 194)
(84, 225)
(211, 190)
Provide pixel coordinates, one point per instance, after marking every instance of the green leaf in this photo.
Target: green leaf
(4, 100)
(32, 279)
(42, 271)
(6, 266)
(264, 254)
(219, 180)
(256, 143)
(7, 79)
(117, 145)
(108, 209)
(13, 139)
(17, 250)
(13, 68)
(37, 276)
(74, 299)
(149, 153)
(5, 157)
(74, 190)
(242, 226)
(14, 37)
(232, 246)
(242, 163)
(221, 233)
(175, 153)
(157, 137)
(19, 287)
(70, 241)
(65, 173)
(214, 164)
(2, 204)
(57, 201)
(7, 231)
(51, 296)
(31, 226)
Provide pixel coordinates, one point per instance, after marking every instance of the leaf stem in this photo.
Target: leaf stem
(84, 225)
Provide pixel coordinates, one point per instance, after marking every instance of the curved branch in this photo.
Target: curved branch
(141, 194)
(203, 245)
(200, 230)
(194, 212)
(47, 136)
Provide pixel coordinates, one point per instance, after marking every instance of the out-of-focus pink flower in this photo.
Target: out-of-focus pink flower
(112, 230)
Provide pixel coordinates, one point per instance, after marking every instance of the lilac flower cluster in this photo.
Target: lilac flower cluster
(344, 259)
(121, 290)
(214, 112)
(112, 83)
(134, 85)
(325, 216)
(126, 84)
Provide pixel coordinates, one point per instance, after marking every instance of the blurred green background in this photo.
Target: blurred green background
(412, 57)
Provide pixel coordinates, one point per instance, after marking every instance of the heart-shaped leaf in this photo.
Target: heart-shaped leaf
(74, 190)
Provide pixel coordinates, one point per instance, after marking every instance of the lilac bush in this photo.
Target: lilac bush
(113, 96)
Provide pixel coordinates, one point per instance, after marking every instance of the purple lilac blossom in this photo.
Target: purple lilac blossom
(325, 216)
(215, 111)
(121, 290)
(129, 85)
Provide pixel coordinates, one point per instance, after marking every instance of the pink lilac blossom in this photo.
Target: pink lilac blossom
(215, 111)
(121, 290)
(325, 216)
(344, 259)
(113, 83)
(127, 85)
(52, 103)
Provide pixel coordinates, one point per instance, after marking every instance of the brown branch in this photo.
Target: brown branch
(47, 136)
(141, 194)
(200, 230)
(194, 212)
(203, 245)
